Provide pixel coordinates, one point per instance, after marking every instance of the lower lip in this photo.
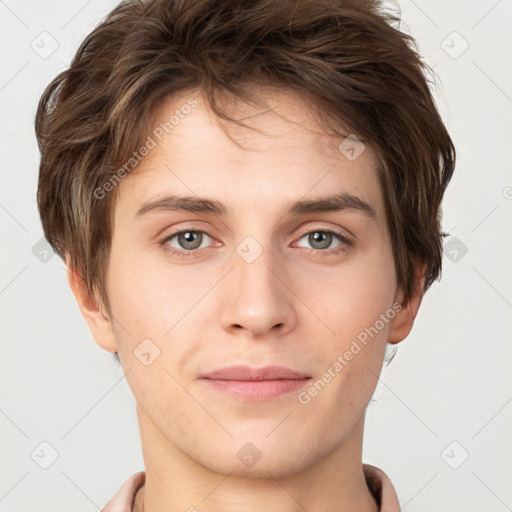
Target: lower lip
(256, 389)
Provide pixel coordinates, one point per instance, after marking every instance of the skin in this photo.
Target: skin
(291, 306)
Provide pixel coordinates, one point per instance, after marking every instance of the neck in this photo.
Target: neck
(175, 481)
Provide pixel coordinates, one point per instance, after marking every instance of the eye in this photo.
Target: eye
(321, 239)
(188, 241)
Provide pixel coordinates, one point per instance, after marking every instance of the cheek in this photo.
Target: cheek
(352, 298)
(355, 306)
(150, 299)
(350, 358)
(156, 315)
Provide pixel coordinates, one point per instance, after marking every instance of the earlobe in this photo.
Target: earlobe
(403, 321)
(97, 320)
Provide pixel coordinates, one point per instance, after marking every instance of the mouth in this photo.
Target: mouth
(255, 383)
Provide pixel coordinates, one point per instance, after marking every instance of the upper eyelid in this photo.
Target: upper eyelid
(336, 231)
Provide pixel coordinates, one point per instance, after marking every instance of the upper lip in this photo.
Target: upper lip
(247, 373)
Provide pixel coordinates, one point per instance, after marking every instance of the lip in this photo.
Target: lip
(241, 372)
(255, 383)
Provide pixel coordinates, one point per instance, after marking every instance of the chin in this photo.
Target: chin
(258, 459)
(266, 467)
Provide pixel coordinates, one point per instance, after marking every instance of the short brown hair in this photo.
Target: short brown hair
(347, 56)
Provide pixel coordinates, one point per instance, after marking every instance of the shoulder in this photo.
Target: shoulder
(382, 489)
(123, 499)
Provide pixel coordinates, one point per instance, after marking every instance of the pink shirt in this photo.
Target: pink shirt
(379, 483)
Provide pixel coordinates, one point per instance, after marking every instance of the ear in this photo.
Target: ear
(97, 320)
(403, 321)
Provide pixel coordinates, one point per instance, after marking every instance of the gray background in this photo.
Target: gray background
(446, 396)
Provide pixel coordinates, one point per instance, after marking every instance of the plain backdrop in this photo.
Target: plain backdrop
(441, 420)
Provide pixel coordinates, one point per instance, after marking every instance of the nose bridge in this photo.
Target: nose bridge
(258, 298)
(256, 264)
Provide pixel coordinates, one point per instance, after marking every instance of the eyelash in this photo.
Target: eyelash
(347, 243)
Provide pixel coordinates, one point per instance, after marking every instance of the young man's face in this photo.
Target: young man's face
(255, 286)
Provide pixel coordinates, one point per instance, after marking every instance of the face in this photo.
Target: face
(261, 274)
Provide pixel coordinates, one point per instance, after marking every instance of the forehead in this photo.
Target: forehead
(282, 156)
(282, 117)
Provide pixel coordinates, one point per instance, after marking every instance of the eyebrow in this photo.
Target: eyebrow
(195, 204)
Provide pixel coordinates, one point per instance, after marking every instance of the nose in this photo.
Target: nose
(256, 297)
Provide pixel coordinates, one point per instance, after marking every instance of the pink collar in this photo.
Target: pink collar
(378, 482)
